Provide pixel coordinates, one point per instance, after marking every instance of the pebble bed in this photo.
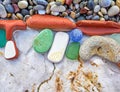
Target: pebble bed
(73, 9)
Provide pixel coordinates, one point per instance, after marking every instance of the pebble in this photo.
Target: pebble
(97, 8)
(103, 11)
(43, 41)
(40, 2)
(39, 7)
(3, 12)
(3, 39)
(24, 12)
(100, 14)
(96, 17)
(105, 3)
(114, 10)
(91, 4)
(73, 15)
(89, 17)
(76, 1)
(5, 2)
(19, 16)
(56, 8)
(41, 11)
(11, 50)
(62, 1)
(102, 19)
(9, 8)
(81, 17)
(58, 48)
(72, 51)
(96, 1)
(22, 4)
(16, 8)
(76, 35)
(68, 2)
(55, 13)
(118, 3)
(106, 17)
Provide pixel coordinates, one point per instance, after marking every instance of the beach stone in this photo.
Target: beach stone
(55, 13)
(76, 35)
(89, 17)
(40, 2)
(96, 1)
(73, 15)
(103, 10)
(114, 10)
(91, 4)
(100, 14)
(81, 17)
(76, 1)
(6, 2)
(39, 7)
(118, 3)
(106, 17)
(14, 1)
(72, 51)
(41, 11)
(43, 41)
(24, 12)
(3, 39)
(112, 3)
(16, 8)
(56, 8)
(62, 1)
(22, 4)
(9, 8)
(96, 17)
(3, 12)
(68, 2)
(97, 8)
(19, 16)
(105, 3)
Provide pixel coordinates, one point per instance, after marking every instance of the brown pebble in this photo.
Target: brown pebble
(72, 15)
(83, 11)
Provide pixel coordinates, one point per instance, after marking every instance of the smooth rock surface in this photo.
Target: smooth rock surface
(105, 3)
(3, 12)
(114, 10)
(43, 41)
(56, 8)
(22, 4)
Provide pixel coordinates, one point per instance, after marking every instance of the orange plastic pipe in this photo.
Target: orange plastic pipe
(91, 27)
(51, 22)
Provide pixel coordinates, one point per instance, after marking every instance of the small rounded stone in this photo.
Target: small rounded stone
(40, 2)
(114, 10)
(96, 17)
(105, 3)
(91, 4)
(118, 3)
(76, 35)
(72, 51)
(43, 41)
(3, 12)
(22, 4)
(19, 16)
(103, 11)
(9, 8)
(39, 7)
(24, 12)
(97, 8)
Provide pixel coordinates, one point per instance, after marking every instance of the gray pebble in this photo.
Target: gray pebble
(81, 18)
(24, 12)
(40, 2)
(55, 13)
(3, 13)
(6, 2)
(39, 7)
(9, 8)
(41, 11)
(106, 17)
(58, 3)
(56, 8)
(96, 17)
(89, 17)
(97, 8)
